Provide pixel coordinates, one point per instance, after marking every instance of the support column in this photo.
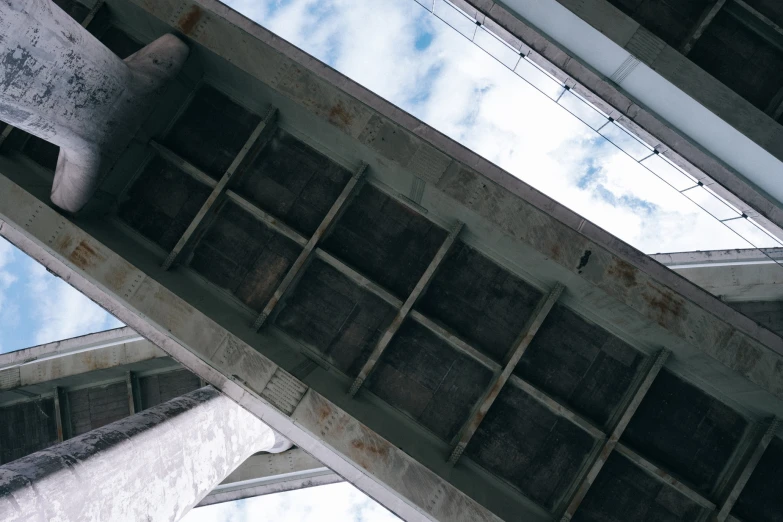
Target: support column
(154, 466)
(58, 82)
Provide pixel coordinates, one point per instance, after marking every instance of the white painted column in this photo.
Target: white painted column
(58, 82)
(153, 466)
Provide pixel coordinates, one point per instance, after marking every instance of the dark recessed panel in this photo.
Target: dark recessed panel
(26, 428)
(119, 42)
(41, 152)
(738, 57)
(293, 182)
(622, 493)
(243, 255)
(580, 364)
(385, 240)
(685, 430)
(211, 131)
(762, 498)
(74, 9)
(772, 9)
(92, 408)
(480, 301)
(330, 313)
(423, 376)
(162, 203)
(529, 446)
(670, 20)
(163, 387)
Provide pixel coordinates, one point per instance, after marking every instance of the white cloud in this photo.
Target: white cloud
(455, 87)
(333, 503)
(8, 313)
(60, 310)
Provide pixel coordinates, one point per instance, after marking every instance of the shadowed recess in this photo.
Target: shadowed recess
(689, 432)
(293, 182)
(330, 313)
(762, 498)
(211, 131)
(482, 302)
(25, 429)
(385, 240)
(623, 492)
(162, 203)
(243, 255)
(426, 378)
(529, 446)
(580, 364)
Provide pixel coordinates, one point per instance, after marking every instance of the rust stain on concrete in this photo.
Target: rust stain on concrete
(190, 19)
(85, 257)
(339, 116)
(665, 305)
(623, 272)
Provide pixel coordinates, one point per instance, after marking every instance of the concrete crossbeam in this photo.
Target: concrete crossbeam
(764, 432)
(407, 306)
(633, 400)
(299, 413)
(297, 269)
(701, 25)
(78, 481)
(483, 405)
(252, 147)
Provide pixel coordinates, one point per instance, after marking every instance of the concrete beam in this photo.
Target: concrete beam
(483, 405)
(59, 413)
(264, 474)
(656, 472)
(403, 312)
(78, 480)
(701, 25)
(301, 263)
(632, 402)
(764, 431)
(486, 194)
(301, 414)
(756, 22)
(61, 362)
(707, 162)
(252, 147)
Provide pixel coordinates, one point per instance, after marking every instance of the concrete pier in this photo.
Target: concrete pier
(154, 466)
(58, 82)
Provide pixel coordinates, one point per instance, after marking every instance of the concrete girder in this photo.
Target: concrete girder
(464, 181)
(299, 413)
(51, 62)
(483, 405)
(406, 307)
(639, 115)
(255, 143)
(190, 443)
(300, 265)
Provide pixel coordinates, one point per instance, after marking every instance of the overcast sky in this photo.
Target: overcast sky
(399, 50)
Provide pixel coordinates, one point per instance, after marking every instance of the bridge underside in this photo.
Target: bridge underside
(441, 335)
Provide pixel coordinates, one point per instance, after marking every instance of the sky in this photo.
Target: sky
(406, 55)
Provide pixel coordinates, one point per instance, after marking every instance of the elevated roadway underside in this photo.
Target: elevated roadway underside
(449, 340)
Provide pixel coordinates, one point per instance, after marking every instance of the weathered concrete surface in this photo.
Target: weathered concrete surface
(171, 456)
(59, 83)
